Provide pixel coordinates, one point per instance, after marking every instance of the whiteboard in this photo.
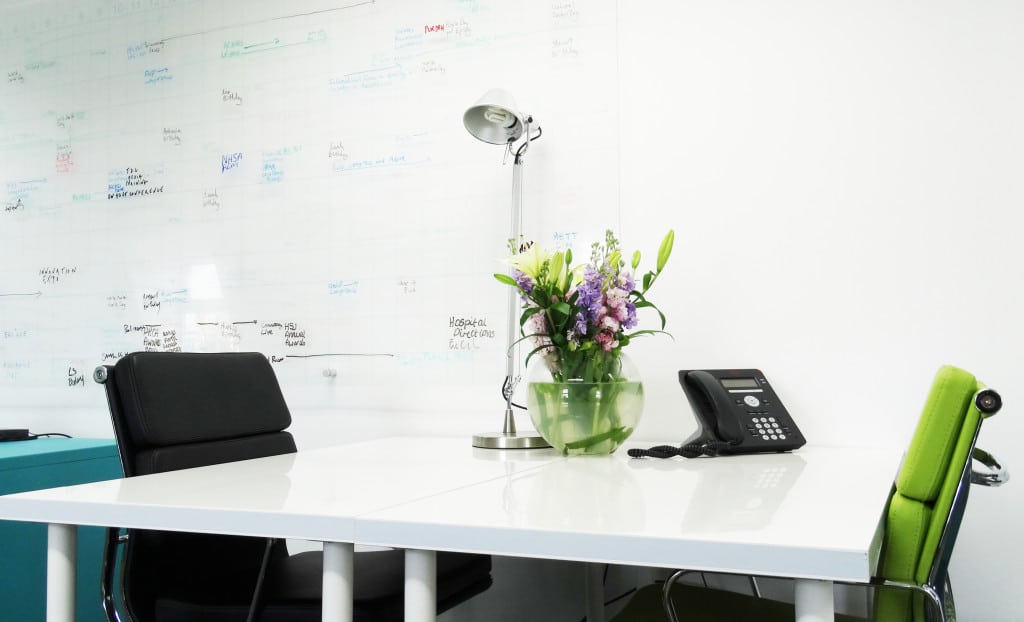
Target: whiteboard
(296, 180)
(289, 178)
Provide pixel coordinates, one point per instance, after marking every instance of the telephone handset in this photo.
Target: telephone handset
(737, 412)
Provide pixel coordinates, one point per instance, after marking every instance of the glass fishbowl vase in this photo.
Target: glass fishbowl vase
(578, 417)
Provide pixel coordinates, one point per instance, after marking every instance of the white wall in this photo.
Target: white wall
(844, 182)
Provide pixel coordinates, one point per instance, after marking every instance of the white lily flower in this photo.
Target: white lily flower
(530, 261)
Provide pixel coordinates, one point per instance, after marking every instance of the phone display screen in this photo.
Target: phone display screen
(740, 383)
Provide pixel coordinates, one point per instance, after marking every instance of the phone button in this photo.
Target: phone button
(752, 401)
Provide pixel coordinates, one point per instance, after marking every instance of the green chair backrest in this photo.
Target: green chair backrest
(924, 491)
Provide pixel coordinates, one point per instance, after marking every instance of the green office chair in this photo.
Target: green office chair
(925, 510)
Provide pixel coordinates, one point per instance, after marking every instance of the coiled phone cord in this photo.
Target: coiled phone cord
(693, 450)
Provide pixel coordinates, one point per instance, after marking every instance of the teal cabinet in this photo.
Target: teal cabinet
(45, 463)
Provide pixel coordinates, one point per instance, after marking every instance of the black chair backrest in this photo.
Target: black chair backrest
(176, 410)
(180, 410)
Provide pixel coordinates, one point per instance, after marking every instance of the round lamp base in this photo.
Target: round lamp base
(500, 440)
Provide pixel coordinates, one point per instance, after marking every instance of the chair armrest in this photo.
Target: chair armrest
(995, 475)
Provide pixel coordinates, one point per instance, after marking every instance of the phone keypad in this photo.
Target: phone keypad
(766, 427)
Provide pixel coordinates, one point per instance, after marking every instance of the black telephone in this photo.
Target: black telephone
(737, 412)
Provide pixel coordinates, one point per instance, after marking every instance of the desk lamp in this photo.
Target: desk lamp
(495, 119)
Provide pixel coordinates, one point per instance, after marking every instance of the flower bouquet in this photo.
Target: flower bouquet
(579, 319)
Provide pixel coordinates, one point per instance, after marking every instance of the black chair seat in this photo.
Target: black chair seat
(294, 586)
(380, 575)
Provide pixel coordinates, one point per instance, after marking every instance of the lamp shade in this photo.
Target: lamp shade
(494, 118)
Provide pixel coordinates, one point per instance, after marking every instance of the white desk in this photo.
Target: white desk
(814, 515)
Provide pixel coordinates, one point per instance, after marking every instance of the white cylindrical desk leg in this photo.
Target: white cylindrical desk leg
(61, 556)
(595, 592)
(814, 601)
(339, 568)
(420, 586)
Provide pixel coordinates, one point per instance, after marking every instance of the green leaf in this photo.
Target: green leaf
(617, 435)
(522, 339)
(642, 302)
(649, 331)
(665, 250)
(526, 362)
(527, 314)
(506, 279)
(660, 315)
(561, 309)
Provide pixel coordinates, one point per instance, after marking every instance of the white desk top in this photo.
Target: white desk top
(815, 513)
(311, 495)
(812, 514)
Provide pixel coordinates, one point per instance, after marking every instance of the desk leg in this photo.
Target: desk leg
(339, 568)
(61, 559)
(420, 586)
(595, 592)
(814, 601)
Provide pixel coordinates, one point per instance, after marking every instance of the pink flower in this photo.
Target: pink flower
(617, 301)
(537, 327)
(606, 340)
(616, 297)
(610, 323)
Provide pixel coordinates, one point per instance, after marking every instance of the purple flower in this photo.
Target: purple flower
(630, 320)
(580, 326)
(578, 317)
(626, 282)
(523, 280)
(590, 296)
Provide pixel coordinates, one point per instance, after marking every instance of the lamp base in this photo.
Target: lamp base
(502, 440)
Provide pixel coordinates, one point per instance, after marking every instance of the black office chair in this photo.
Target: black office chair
(179, 410)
